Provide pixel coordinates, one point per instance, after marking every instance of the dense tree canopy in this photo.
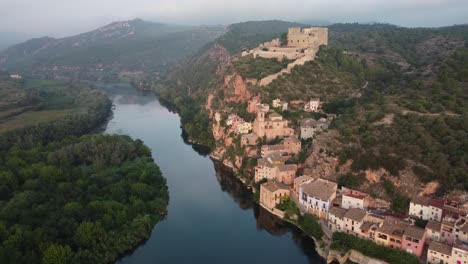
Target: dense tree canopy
(80, 200)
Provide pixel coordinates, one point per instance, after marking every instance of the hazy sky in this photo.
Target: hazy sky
(66, 17)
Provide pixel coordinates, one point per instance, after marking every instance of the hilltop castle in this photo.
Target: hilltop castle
(301, 42)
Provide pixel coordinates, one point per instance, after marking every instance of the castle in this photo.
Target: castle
(301, 42)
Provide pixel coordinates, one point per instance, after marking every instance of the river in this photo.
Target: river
(211, 217)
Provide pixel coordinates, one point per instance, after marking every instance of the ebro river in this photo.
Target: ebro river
(211, 216)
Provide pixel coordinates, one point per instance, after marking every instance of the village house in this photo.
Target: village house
(447, 231)
(273, 167)
(459, 252)
(286, 173)
(313, 105)
(271, 125)
(276, 103)
(16, 76)
(461, 229)
(371, 224)
(354, 199)
(243, 127)
(298, 182)
(336, 219)
(233, 119)
(317, 196)
(391, 232)
(426, 208)
(272, 192)
(413, 240)
(309, 126)
(439, 253)
(433, 230)
(353, 219)
(289, 145)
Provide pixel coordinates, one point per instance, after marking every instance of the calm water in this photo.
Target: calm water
(211, 216)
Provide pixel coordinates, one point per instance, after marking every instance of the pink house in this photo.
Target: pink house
(413, 240)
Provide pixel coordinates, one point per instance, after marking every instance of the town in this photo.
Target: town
(434, 230)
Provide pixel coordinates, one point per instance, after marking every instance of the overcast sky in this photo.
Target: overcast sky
(66, 17)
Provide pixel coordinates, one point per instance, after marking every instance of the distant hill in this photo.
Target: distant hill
(134, 45)
(11, 38)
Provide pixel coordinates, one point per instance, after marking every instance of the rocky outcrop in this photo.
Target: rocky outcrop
(236, 89)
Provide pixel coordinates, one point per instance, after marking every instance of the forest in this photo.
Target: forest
(40, 111)
(79, 200)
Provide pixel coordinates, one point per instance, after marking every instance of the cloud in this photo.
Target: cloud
(71, 16)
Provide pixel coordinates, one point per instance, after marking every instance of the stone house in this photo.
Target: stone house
(271, 125)
(414, 239)
(298, 182)
(273, 167)
(317, 196)
(286, 173)
(309, 126)
(439, 253)
(289, 145)
(292, 145)
(271, 193)
(354, 199)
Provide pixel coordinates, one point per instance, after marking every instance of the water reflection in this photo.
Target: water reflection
(265, 220)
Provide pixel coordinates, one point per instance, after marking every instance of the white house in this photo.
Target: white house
(317, 196)
(426, 208)
(313, 105)
(354, 199)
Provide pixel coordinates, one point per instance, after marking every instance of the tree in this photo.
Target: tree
(57, 254)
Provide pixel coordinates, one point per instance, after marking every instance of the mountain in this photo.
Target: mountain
(400, 95)
(134, 45)
(10, 38)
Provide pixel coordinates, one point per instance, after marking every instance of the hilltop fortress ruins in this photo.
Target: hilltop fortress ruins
(302, 45)
(301, 42)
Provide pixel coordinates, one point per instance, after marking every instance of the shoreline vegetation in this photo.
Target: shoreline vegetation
(67, 196)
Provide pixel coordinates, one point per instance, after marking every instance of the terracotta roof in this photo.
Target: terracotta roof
(366, 226)
(355, 214)
(320, 189)
(433, 225)
(421, 200)
(274, 186)
(393, 226)
(355, 194)
(414, 232)
(440, 248)
(302, 178)
(337, 211)
(438, 203)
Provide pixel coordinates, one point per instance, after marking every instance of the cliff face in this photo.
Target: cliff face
(235, 89)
